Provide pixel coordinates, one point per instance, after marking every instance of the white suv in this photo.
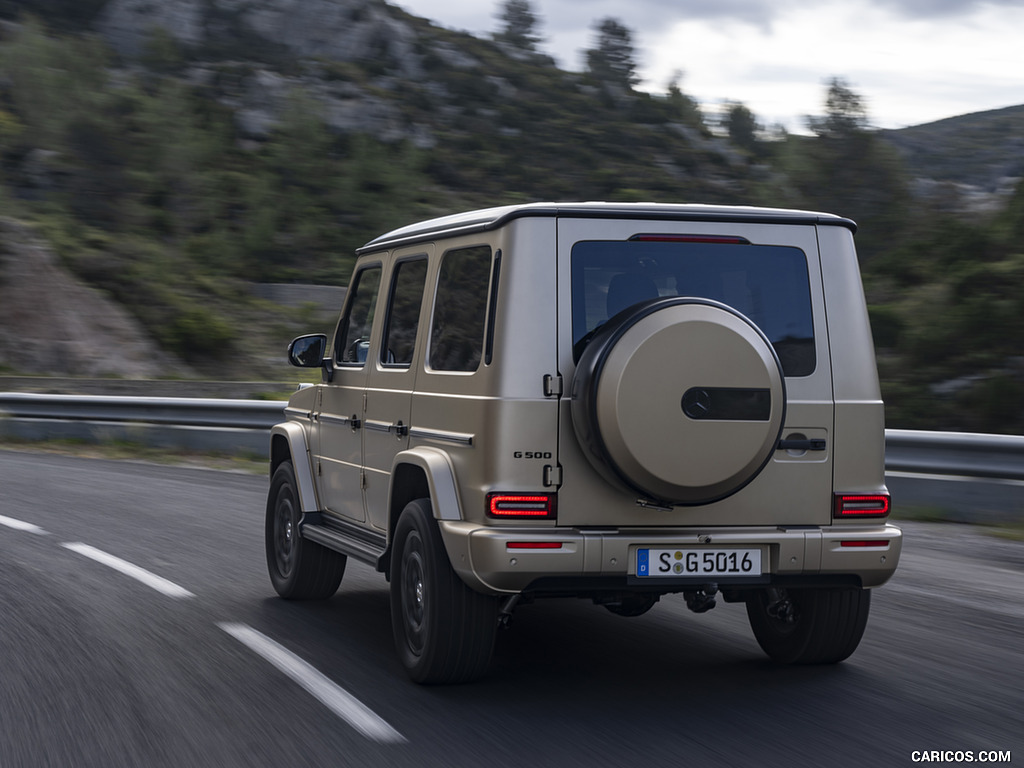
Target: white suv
(613, 401)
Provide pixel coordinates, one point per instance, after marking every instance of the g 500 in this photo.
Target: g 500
(531, 455)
